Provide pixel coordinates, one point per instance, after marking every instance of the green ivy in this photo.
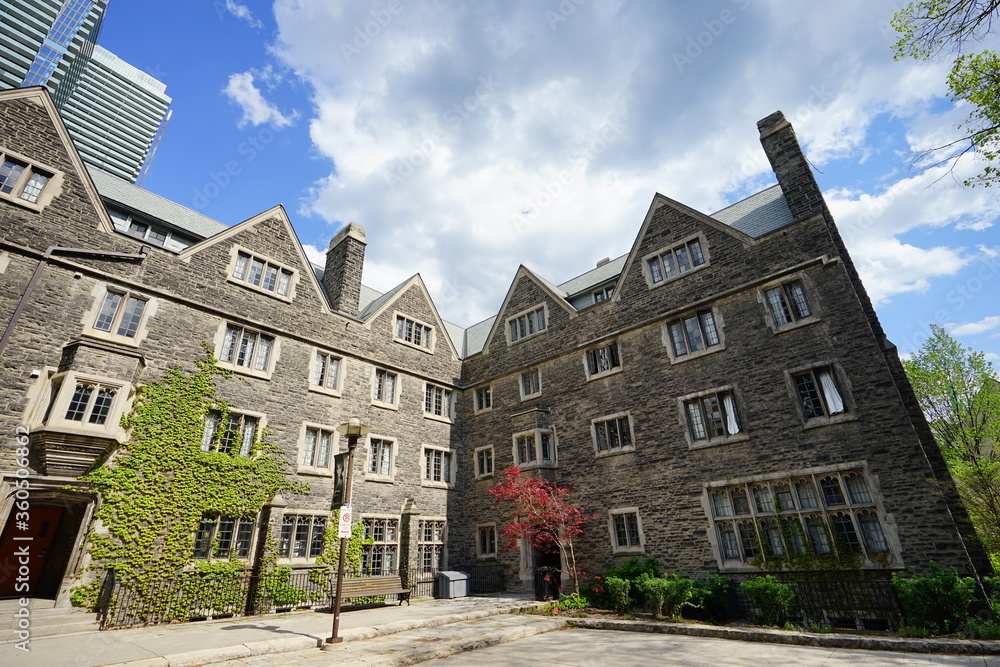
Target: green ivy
(156, 488)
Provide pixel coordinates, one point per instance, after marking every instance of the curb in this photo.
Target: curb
(859, 642)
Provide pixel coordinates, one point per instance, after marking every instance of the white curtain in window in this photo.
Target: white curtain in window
(732, 422)
(830, 392)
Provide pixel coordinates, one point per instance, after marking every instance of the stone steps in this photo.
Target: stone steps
(44, 618)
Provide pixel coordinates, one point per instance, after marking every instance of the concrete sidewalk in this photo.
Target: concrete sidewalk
(217, 641)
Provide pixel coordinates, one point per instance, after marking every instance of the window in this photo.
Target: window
(818, 393)
(91, 402)
(120, 315)
(673, 262)
(262, 274)
(604, 293)
(711, 418)
(414, 333)
(603, 361)
(384, 391)
(86, 405)
(381, 556)
(483, 399)
(146, 232)
(484, 462)
(326, 372)
(246, 349)
(817, 512)
(22, 181)
(380, 458)
(526, 324)
(613, 435)
(317, 450)
(438, 467)
(486, 542)
(236, 436)
(535, 449)
(787, 303)
(302, 536)
(692, 334)
(626, 531)
(231, 537)
(531, 384)
(437, 401)
(430, 544)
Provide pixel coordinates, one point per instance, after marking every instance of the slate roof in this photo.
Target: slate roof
(758, 214)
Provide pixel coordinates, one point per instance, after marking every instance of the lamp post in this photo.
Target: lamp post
(353, 429)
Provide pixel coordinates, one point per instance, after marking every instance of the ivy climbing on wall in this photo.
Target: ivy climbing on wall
(157, 487)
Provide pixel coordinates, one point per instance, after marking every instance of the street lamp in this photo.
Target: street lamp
(353, 429)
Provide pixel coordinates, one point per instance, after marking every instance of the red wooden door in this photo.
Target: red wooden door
(27, 543)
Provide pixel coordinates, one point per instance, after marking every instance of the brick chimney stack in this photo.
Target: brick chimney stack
(790, 166)
(345, 261)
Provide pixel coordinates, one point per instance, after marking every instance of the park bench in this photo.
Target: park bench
(360, 587)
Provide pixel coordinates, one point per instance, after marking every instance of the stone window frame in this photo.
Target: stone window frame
(284, 551)
(843, 387)
(616, 546)
(713, 441)
(658, 255)
(617, 418)
(537, 448)
(51, 188)
(809, 293)
(397, 385)
(482, 547)
(718, 322)
(334, 449)
(385, 546)
(211, 544)
(477, 394)
(430, 394)
(100, 293)
(480, 474)
(811, 510)
(435, 546)
(399, 334)
(592, 360)
(521, 385)
(377, 475)
(235, 253)
(63, 388)
(315, 369)
(449, 465)
(530, 318)
(272, 356)
(207, 441)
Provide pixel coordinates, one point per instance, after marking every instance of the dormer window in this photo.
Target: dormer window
(414, 333)
(665, 265)
(262, 274)
(526, 324)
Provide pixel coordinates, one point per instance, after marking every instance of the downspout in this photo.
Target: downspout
(143, 253)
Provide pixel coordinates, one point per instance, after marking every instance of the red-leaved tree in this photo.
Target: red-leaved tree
(542, 515)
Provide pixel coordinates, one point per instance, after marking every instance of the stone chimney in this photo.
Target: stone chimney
(344, 262)
(790, 166)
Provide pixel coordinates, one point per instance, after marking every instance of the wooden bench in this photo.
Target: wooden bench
(360, 587)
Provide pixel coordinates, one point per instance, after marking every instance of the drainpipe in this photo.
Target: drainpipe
(51, 250)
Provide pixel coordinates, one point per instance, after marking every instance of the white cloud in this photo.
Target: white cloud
(256, 110)
(970, 329)
(243, 13)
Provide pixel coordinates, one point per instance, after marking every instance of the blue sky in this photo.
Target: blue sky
(471, 137)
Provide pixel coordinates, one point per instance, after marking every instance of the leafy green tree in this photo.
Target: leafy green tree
(959, 394)
(931, 29)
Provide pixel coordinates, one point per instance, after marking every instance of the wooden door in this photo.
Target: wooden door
(27, 543)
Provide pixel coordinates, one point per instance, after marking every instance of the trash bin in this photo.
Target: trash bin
(547, 583)
(452, 584)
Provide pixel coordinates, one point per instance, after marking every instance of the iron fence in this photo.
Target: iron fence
(858, 604)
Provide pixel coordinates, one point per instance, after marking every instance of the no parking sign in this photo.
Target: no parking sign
(344, 528)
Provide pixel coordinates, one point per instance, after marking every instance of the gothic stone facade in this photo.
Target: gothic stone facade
(722, 376)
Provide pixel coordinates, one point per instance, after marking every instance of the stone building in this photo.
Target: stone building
(721, 382)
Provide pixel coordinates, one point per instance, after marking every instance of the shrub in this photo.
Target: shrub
(937, 602)
(654, 590)
(771, 598)
(618, 589)
(668, 594)
(708, 598)
(632, 570)
(573, 601)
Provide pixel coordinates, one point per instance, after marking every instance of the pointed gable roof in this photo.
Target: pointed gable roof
(557, 295)
(380, 305)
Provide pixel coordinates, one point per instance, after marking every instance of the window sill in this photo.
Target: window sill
(426, 483)
(629, 551)
(483, 411)
(619, 452)
(530, 396)
(385, 406)
(666, 281)
(486, 557)
(439, 418)
(260, 290)
(840, 418)
(324, 391)
(23, 203)
(114, 338)
(315, 472)
(381, 479)
(480, 478)
(696, 355)
(421, 348)
(604, 374)
(531, 465)
(242, 370)
(511, 343)
(791, 326)
(716, 442)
